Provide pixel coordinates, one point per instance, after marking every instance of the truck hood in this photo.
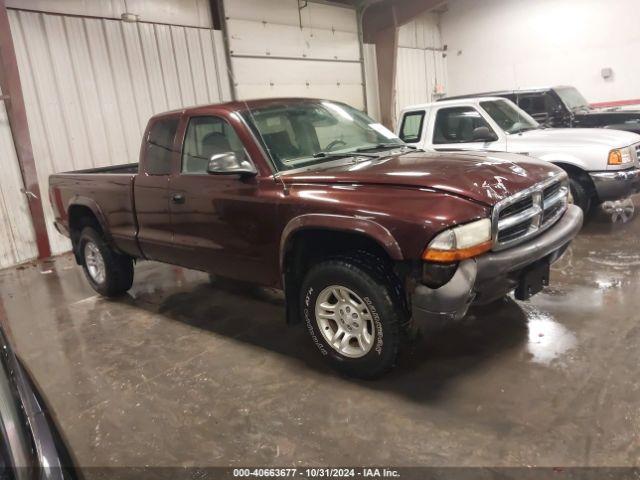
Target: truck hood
(486, 178)
(576, 137)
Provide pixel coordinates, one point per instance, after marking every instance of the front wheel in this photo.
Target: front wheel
(352, 316)
(580, 194)
(109, 273)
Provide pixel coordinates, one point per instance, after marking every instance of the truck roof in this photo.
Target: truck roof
(239, 105)
(505, 92)
(463, 100)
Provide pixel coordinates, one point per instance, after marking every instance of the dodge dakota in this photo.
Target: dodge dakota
(602, 164)
(363, 233)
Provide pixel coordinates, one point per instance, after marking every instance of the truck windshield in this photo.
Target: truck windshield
(309, 133)
(572, 98)
(509, 117)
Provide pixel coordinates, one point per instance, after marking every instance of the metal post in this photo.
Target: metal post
(17, 113)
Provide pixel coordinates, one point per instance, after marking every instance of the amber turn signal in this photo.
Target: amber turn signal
(615, 157)
(444, 256)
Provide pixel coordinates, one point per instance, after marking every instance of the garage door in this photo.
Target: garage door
(91, 84)
(17, 240)
(278, 50)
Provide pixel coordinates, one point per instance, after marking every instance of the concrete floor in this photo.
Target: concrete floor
(185, 373)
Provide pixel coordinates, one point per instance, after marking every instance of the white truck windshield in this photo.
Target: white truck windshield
(509, 117)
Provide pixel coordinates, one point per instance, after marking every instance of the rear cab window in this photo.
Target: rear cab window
(159, 146)
(411, 128)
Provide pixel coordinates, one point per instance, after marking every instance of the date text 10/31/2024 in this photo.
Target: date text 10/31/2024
(317, 472)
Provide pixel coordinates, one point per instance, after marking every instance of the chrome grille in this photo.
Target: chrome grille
(530, 212)
(637, 149)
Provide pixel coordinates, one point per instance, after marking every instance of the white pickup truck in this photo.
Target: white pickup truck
(603, 165)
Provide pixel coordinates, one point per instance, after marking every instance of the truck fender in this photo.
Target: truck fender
(560, 159)
(340, 223)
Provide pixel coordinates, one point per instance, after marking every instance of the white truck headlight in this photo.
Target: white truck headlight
(461, 242)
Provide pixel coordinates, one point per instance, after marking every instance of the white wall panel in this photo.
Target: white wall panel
(423, 32)
(371, 80)
(90, 85)
(503, 44)
(278, 51)
(196, 13)
(421, 68)
(17, 239)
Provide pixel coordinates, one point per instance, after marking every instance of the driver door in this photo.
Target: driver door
(452, 129)
(219, 224)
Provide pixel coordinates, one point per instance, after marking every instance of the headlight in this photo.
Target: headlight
(459, 243)
(619, 156)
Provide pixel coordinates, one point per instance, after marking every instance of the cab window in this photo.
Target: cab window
(456, 125)
(206, 137)
(159, 146)
(411, 129)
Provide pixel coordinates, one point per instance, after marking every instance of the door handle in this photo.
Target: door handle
(178, 198)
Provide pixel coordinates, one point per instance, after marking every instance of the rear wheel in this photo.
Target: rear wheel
(353, 316)
(109, 273)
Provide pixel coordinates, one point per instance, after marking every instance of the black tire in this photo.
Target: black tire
(372, 283)
(118, 268)
(580, 193)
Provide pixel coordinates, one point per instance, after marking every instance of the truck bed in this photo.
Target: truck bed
(107, 192)
(122, 168)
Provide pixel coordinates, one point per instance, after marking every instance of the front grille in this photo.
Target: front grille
(638, 151)
(516, 208)
(530, 212)
(551, 190)
(511, 233)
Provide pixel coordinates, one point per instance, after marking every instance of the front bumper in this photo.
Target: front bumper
(614, 185)
(493, 275)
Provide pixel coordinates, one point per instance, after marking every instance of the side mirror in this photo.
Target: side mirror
(483, 134)
(228, 163)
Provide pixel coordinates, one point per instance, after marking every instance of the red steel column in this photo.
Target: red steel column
(17, 113)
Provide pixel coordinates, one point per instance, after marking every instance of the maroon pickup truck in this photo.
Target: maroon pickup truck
(363, 233)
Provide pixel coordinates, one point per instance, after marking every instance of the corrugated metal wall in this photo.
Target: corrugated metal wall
(278, 50)
(421, 66)
(371, 80)
(191, 13)
(90, 86)
(17, 239)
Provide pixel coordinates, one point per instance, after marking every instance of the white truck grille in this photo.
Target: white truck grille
(530, 212)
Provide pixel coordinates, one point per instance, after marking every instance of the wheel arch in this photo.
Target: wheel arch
(319, 236)
(579, 173)
(84, 212)
(339, 223)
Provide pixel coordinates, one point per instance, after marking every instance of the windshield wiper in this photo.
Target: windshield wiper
(384, 145)
(341, 155)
